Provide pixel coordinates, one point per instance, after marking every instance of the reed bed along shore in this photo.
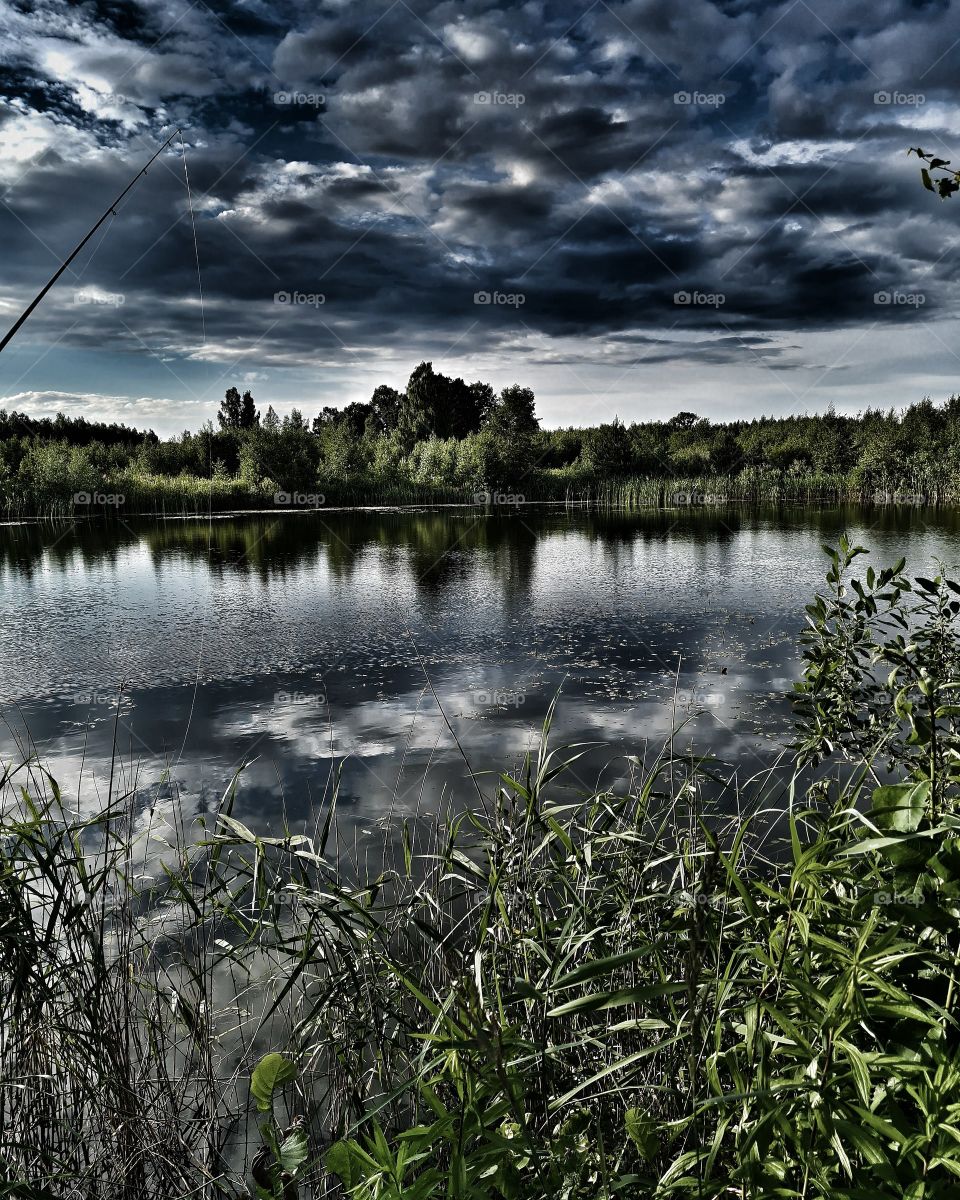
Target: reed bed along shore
(132, 493)
(692, 986)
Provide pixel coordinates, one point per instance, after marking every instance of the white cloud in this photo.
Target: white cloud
(131, 410)
(472, 42)
(790, 153)
(29, 136)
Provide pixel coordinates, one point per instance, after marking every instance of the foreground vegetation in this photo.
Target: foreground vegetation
(689, 987)
(441, 439)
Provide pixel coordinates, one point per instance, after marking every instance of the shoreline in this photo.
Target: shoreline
(500, 509)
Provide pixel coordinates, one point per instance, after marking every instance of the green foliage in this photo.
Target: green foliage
(607, 450)
(283, 1154)
(512, 414)
(236, 413)
(270, 1073)
(944, 184)
(443, 439)
(435, 406)
(643, 1132)
(882, 671)
(900, 807)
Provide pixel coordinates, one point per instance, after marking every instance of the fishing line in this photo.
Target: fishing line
(203, 326)
(93, 253)
(196, 247)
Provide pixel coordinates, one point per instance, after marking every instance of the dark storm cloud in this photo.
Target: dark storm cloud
(398, 159)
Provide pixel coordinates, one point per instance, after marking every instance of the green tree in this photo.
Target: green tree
(249, 416)
(513, 414)
(356, 417)
(683, 420)
(482, 401)
(416, 418)
(607, 449)
(231, 409)
(435, 405)
(385, 408)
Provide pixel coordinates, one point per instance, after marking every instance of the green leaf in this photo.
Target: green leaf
(927, 181)
(642, 1131)
(899, 807)
(270, 1073)
(238, 829)
(597, 967)
(293, 1151)
(340, 1161)
(599, 1001)
(886, 844)
(921, 731)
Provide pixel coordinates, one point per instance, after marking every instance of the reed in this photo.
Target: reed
(131, 491)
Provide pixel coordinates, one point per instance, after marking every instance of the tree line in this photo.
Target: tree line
(458, 437)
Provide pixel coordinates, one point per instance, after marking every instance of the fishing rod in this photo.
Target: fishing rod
(111, 211)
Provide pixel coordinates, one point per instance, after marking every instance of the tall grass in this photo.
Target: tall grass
(683, 988)
(106, 1053)
(131, 492)
(156, 494)
(620, 994)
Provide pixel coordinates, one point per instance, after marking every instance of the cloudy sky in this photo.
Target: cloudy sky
(633, 206)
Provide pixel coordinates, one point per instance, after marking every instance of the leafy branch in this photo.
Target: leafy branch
(944, 184)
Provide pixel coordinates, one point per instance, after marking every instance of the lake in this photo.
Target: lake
(307, 645)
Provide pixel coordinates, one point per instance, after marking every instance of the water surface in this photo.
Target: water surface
(309, 644)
